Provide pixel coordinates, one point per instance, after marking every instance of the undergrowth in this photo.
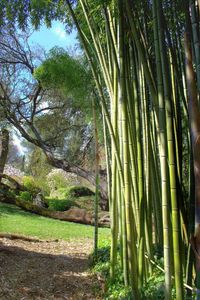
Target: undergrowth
(153, 288)
(62, 199)
(56, 204)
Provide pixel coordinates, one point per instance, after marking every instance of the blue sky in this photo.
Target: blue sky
(54, 36)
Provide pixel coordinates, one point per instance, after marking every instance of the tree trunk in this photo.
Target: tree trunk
(194, 121)
(4, 149)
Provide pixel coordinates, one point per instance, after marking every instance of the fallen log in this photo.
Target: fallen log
(74, 214)
(12, 236)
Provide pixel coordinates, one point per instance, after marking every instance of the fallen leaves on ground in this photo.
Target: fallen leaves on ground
(49, 270)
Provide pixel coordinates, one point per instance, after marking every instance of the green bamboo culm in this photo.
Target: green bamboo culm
(96, 201)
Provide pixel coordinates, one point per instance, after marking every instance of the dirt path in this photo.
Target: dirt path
(46, 270)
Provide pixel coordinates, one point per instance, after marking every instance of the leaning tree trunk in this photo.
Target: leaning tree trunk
(194, 120)
(4, 147)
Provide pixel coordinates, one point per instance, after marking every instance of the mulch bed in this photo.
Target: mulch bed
(46, 270)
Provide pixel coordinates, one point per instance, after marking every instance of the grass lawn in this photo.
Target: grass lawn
(15, 220)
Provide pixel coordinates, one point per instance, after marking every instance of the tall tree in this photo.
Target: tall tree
(54, 92)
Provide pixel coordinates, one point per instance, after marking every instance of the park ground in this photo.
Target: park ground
(52, 264)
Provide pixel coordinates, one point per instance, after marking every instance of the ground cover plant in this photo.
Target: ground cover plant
(153, 288)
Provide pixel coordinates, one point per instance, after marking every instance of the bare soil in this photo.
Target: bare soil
(47, 270)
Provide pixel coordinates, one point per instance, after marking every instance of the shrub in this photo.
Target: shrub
(59, 204)
(30, 184)
(26, 196)
(78, 191)
(64, 198)
(34, 185)
(7, 193)
(60, 193)
(11, 194)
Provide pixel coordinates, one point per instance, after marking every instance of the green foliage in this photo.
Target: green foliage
(64, 198)
(69, 79)
(22, 11)
(11, 194)
(15, 220)
(64, 72)
(154, 287)
(59, 204)
(35, 185)
(152, 290)
(7, 193)
(103, 257)
(71, 191)
(114, 289)
(38, 165)
(60, 193)
(26, 196)
(30, 184)
(56, 180)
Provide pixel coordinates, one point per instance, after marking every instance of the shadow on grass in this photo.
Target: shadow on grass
(11, 209)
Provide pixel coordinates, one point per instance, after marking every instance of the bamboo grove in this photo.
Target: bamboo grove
(145, 61)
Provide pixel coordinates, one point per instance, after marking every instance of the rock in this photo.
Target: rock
(39, 200)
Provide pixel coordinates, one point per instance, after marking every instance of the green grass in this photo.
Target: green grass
(15, 220)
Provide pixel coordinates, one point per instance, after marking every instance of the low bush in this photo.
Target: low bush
(30, 184)
(26, 196)
(64, 198)
(61, 193)
(59, 204)
(34, 185)
(7, 193)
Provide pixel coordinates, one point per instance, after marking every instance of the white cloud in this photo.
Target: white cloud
(60, 32)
